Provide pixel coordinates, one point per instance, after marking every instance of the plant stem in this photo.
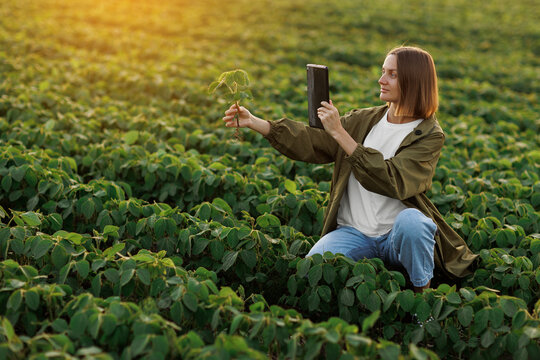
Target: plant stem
(237, 116)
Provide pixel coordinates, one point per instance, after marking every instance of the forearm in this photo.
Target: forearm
(347, 143)
(260, 125)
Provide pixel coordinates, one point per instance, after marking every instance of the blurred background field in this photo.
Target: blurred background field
(134, 225)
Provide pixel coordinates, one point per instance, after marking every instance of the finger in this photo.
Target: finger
(325, 104)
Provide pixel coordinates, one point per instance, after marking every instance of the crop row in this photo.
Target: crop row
(104, 265)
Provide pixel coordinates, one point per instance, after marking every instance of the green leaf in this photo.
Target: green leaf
(370, 321)
(509, 280)
(362, 293)
(126, 276)
(453, 298)
(249, 258)
(329, 273)
(423, 311)
(406, 300)
(59, 256)
(313, 301)
(347, 297)
(88, 208)
(131, 137)
(18, 173)
(56, 221)
(44, 86)
(325, 293)
(113, 250)
(111, 230)
(199, 245)
(524, 282)
(112, 275)
(94, 324)
(496, 316)
(204, 212)
(292, 285)
(222, 205)
(509, 307)
(312, 206)
(32, 202)
(6, 183)
(487, 338)
(78, 324)
(481, 319)
(60, 325)
(8, 329)
(290, 201)
(268, 220)
(373, 302)
(139, 344)
(390, 351)
(31, 298)
(314, 275)
(302, 267)
(83, 268)
(31, 218)
(64, 272)
(190, 301)
(290, 186)
(535, 246)
(41, 248)
(159, 227)
(217, 249)
(465, 315)
(389, 300)
(519, 319)
(213, 86)
(144, 276)
(467, 294)
(229, 259)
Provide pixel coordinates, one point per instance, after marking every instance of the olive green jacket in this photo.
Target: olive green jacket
(406, 176)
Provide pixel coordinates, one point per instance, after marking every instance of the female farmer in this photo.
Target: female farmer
(385, 158)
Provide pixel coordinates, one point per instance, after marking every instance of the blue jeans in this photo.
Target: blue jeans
(410, 243)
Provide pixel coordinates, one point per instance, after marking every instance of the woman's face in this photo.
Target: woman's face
(389, 80)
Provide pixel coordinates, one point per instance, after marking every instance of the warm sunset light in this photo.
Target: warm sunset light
(269, 179)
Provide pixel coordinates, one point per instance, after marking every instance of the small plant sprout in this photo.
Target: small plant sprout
(237, 82)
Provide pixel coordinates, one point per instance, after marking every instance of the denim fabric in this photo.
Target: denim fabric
(410, 243)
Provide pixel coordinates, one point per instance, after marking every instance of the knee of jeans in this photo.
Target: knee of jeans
(413, 221)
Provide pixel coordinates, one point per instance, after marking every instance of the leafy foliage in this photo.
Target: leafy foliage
(237, 82)
(131, 225)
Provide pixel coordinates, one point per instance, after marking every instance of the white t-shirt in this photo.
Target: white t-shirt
(371, 213)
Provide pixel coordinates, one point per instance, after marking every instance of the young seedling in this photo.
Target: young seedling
(237, 82)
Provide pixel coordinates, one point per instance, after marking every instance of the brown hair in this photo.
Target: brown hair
(417, 81)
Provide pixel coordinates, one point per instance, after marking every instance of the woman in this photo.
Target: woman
(385, 158)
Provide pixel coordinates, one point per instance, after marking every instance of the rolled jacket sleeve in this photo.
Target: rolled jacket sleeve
(407, 174)
(299, 141)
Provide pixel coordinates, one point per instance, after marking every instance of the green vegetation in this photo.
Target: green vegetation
(132, 224)
(237, 82)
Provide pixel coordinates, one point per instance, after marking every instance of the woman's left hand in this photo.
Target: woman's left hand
(329, 116)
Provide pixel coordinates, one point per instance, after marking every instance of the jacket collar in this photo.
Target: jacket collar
(426, 127)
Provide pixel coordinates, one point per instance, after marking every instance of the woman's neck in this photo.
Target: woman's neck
(397, 119)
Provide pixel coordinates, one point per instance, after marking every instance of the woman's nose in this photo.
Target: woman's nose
(382, 79)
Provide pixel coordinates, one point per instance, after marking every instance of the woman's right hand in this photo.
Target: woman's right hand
(245, 118)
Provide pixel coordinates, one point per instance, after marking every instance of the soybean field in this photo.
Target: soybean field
(134, 225)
